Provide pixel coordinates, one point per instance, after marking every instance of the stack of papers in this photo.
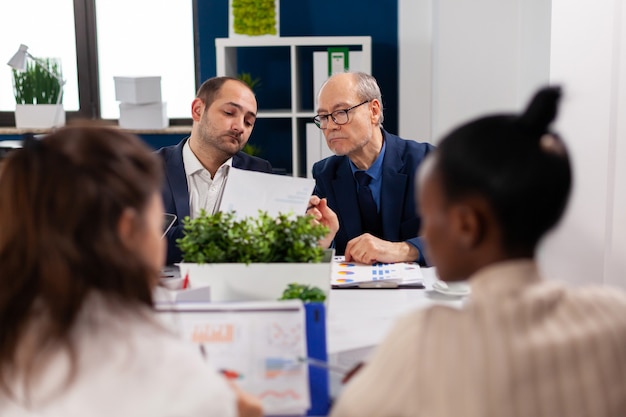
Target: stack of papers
(378, 275)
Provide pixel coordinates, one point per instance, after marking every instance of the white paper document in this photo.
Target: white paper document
(257, 343)
(247, 192)
(379, 275)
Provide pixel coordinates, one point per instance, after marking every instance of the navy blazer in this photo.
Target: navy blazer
(334, 181)
(175, 191)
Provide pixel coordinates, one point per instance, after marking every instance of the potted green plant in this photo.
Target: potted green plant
(253, 258)
(38, 95)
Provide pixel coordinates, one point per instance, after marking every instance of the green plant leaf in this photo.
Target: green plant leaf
(263, 239)
(306, 293)
(35, 85)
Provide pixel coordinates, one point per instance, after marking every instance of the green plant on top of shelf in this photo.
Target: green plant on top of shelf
(247, 78)
(252, 150)
(35, 85)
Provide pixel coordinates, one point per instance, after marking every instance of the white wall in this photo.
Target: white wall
(461, 59)
(415, 47)
(588, 57)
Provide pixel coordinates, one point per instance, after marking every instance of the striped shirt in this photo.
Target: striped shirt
(521, 346)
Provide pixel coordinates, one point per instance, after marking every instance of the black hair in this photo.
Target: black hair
(516, 164)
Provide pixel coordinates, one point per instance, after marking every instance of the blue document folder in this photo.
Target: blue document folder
(316, 348)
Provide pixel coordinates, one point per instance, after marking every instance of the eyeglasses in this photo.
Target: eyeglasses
(340, 117)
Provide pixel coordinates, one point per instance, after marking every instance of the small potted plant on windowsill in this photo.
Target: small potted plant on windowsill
(253, 258)
(38, 95)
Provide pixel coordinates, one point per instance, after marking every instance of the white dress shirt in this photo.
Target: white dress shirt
(204, 191)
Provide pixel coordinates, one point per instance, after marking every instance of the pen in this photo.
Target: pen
(186, 281)
(202, 351)
(325, 365)
(230, 374)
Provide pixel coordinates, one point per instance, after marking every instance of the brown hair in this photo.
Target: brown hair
(211, 87)
(61, 198)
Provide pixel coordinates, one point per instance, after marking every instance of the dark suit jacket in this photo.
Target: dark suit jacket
(176, 193)
(334, 180)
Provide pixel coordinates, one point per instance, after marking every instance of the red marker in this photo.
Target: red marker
(230, 374)
(186, 281)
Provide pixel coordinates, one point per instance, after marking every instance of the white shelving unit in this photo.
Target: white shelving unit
(226, 62)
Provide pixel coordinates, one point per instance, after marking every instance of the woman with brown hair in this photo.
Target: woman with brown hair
(80, 253)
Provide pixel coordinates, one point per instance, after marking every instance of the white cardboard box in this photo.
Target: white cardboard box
(143, 116)
(138, 90)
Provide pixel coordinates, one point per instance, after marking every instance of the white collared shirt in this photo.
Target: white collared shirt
(203, 190)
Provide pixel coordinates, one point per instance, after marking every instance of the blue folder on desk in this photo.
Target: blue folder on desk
(316, 348)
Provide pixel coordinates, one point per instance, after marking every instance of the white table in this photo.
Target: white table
(358, 319)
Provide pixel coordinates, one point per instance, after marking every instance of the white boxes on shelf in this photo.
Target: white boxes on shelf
(138, 90)
(140, 103)
(143, 116)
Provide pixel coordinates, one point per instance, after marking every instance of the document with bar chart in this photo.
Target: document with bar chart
(379, 275)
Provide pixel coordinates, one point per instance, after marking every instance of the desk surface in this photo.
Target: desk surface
(358, 320)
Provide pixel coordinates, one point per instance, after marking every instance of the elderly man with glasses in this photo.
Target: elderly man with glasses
(369, 182)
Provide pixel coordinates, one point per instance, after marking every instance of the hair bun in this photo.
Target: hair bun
(541, 110)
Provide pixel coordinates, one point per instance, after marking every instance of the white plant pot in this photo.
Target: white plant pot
(253, 282)
(39, 116)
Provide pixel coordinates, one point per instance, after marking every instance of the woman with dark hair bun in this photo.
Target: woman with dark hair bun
(521, 345)
(80, 254)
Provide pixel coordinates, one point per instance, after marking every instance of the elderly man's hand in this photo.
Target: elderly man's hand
(318, 208)
(369, 249)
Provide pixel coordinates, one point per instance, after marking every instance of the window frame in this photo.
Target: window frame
(88, 70)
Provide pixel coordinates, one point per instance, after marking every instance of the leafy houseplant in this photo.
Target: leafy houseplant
(35, 85)
(306, 293)
(38, 95)
(254, 258)
(220, 238)
(247, 78)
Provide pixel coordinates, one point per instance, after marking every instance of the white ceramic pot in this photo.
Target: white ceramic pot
(253, 282)
(39, 116)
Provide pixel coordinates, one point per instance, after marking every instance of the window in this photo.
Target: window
(54, 20)
(97, 40)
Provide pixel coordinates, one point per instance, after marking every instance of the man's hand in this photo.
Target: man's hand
(318, 208)
(368, 249)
